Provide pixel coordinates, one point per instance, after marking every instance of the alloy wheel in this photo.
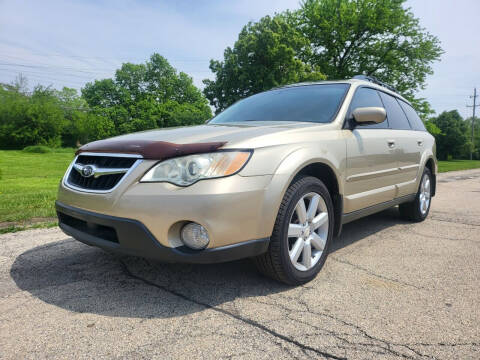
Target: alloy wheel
(425, 195)
(308, 231)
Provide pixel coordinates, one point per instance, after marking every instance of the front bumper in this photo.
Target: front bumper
(132, 237)
(232, 209)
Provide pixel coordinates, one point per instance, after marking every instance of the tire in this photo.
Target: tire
(316, 232)
(413, 211)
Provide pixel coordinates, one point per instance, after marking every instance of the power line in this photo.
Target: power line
(55, 67)
(116, 59)
(57, 76)
(97, 72)
(83, 77)
(89, 70)
(49, 78)
(474, 106)
(79, 69)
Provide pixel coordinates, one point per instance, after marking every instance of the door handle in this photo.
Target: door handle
(420, 142)
(391, 143)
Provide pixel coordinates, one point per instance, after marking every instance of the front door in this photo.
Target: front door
(372, 167)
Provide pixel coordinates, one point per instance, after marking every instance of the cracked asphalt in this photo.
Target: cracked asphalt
(389, 289)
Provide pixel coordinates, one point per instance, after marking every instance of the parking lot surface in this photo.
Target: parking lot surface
(389, 289)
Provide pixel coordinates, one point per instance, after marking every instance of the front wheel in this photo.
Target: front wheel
(418, 209)
(302, 233)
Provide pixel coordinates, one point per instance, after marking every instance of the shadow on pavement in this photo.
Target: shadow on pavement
(360, 229)
(84, 279)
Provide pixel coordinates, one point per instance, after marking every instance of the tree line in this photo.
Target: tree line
(323, 39)
(139, 97)
(453, 136)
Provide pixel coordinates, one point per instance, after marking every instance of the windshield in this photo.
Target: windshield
(312, 103)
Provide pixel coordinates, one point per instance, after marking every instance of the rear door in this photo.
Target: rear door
(371, 161)
(407, 152)
(420, 135)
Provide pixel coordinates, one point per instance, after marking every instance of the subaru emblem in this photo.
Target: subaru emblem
(87, 171)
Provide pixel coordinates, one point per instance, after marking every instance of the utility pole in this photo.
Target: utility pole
(473, 119)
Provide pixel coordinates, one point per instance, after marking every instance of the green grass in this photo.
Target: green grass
(28, 184)
(16, 228)
(454, 165)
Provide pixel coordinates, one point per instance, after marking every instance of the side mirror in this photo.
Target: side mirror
(372, 115)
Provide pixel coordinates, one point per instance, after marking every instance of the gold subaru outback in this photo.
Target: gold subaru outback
(273, 177)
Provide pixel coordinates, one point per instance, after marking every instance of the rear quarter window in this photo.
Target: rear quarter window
(413, 117)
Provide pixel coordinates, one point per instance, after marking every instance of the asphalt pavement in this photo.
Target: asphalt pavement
(389, 289)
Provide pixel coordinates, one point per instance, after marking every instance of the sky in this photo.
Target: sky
(72, 42)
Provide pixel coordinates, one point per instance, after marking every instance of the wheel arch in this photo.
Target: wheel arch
(326, 174)
(323, 170)
(325, 164)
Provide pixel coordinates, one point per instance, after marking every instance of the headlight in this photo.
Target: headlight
(186, 170)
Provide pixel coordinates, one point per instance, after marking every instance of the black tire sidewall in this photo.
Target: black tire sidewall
(419, 215)
(309, 184)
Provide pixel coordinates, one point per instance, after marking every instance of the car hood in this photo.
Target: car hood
(232, 134)
(172, 142)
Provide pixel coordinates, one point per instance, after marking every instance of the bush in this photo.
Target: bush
(64, 150)
(25, 120)
(37, 149)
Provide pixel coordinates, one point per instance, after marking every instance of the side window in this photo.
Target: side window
(396, 116)
(367, 97)
(412, 116)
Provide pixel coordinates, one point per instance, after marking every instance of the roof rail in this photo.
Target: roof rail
(375, 81)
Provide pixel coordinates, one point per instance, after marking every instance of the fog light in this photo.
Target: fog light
(195, 236)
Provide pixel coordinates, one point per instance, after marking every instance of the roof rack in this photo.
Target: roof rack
(375, 81)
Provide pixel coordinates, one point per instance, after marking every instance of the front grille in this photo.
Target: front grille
(100, 231)
(104, 182)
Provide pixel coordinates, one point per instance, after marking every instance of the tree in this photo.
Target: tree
(423, 107)
(340, 38)
(29, 119)
(432, 128)
(46, 116)
(453, 141)
(264, 56)
(376, 38)
(82, 125)
(147, 96)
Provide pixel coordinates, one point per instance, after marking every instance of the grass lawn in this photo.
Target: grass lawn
(28, 186)
(29, 181)
(453, 165)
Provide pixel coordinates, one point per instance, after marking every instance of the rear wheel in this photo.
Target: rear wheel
(301, 235)
(418, 209)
